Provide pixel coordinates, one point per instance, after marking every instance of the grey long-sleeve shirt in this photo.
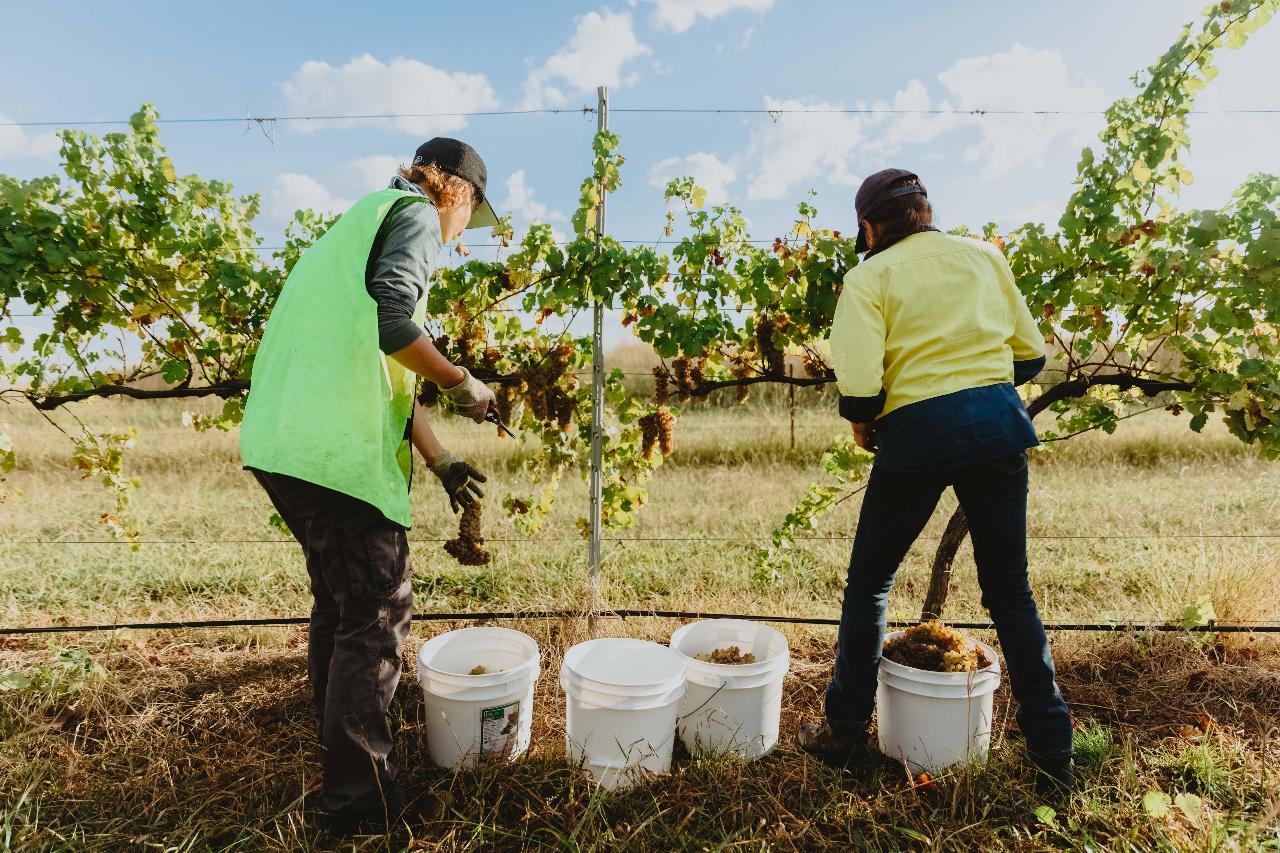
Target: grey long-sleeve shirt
(397, 277)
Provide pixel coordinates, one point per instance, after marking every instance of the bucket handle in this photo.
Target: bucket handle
(704, 704)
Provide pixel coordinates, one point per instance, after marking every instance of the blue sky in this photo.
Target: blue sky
(81, 61)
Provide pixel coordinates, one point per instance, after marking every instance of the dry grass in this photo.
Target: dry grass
(189, 747)
(711, 507)
(200, 740)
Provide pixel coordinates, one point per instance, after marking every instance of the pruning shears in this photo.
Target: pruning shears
(493, 417)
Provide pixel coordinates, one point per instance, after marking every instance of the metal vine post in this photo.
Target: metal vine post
(597, 398)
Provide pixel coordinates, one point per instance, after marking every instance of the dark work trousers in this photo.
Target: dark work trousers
(360, 614)
(895, 508)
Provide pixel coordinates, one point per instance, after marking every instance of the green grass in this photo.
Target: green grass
(198, 740)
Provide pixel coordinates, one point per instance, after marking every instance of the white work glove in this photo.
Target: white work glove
(458, 478)
(471, 398)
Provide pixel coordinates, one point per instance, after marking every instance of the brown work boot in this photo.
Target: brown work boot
(836, 745)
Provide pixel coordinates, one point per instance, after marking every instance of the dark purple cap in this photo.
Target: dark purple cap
(875, 191)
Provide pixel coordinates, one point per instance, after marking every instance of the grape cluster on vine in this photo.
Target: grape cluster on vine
(741, 371)
(680, 370)
(774, 358)
(550, 400)
(428, 393)
(687, 374)
(657, 431)
(816, 368)
(505, 402)
(661, 385)
(468, 342)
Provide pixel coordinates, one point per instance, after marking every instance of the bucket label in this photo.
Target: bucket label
(499, 728)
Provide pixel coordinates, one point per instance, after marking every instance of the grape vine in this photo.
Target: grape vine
(1144, 305)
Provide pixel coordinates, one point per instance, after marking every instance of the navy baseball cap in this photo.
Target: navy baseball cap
(875, 191)
(461, 160)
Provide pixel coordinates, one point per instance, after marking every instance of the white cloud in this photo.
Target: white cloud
(819, 147)
(601, 45)
(521, 203)
(802, 148)
(1022, 78)
(524, 208)
(707, 171)
(1041, 212)
(16, 142)
(373, 172)
(680, 15)
(910, 125)
(368, 86)
(798, 150)
(291, 192)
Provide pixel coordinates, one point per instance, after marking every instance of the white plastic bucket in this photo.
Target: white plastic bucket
(471, 718)
(731, 707)
(621, 699)
(933, 720)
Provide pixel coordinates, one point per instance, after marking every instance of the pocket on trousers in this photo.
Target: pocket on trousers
(376, 554)
(1010, 465)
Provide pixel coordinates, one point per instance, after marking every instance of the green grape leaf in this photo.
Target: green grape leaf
(1046, 815)
(14, 681)
(1156, 803)
(1189, 804)
(1251, 367)
(1199, 614)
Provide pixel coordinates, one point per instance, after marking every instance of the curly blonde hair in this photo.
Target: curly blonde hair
(448, 191)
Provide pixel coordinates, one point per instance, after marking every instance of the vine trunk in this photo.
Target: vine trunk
(957, 529)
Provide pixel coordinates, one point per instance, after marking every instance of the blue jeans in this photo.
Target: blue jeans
(895, 508)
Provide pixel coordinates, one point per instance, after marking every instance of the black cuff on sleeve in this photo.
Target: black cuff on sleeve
(861, 410)
(1025, 371)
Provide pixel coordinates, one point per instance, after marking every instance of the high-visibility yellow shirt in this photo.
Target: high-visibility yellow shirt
(932, 315)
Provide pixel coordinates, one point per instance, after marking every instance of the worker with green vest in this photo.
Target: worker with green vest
(327, 430)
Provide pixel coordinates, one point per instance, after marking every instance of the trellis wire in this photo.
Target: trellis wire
(586, 110)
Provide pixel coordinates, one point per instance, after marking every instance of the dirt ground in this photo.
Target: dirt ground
(184, 743)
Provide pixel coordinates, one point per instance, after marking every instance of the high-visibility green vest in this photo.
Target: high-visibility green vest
(325, 405)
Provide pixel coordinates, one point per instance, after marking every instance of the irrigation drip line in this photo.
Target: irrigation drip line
(586, 110)
(509, 615)
(1048, 537)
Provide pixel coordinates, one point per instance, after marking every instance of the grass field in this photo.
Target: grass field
(191, 740)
